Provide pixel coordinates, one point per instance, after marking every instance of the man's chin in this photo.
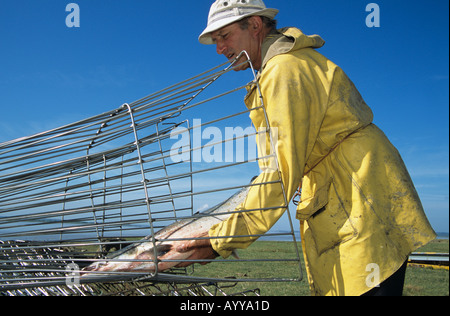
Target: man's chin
(241, 66)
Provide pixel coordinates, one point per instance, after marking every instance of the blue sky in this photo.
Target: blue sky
(123, 50)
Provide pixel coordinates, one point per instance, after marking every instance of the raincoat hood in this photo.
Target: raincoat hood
(287, 40)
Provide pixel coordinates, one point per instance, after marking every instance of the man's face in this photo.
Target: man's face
(231, 40)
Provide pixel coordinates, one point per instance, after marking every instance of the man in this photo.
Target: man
(359, 211)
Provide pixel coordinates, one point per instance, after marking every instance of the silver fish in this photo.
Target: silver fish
(127, 259)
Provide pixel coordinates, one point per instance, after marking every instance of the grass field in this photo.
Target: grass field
(419, 281)
(426, 281)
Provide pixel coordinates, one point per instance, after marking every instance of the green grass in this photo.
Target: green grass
(426, 281)
(419, 281)
(265, 270)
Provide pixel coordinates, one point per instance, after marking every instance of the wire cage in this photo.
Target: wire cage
(80, 195)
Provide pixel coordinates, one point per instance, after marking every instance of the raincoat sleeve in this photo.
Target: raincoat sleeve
(288, 102)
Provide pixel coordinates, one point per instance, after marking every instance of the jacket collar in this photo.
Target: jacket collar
(286, 40)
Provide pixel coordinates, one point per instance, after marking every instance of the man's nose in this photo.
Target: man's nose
(220, 48)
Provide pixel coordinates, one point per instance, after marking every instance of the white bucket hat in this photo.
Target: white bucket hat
(226, 12)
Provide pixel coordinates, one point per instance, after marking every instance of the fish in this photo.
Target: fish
(166, 242)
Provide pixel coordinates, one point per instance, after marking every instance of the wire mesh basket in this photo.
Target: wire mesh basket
(78, 195)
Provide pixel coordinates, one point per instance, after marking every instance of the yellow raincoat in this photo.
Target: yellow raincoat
(359, 213)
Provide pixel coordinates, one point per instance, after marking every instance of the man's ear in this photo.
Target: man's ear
(255, 25)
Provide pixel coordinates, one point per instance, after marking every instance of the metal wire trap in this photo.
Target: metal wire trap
(104, 201)
(37, 272)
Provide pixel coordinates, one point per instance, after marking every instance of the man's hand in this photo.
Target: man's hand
(202, 250)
